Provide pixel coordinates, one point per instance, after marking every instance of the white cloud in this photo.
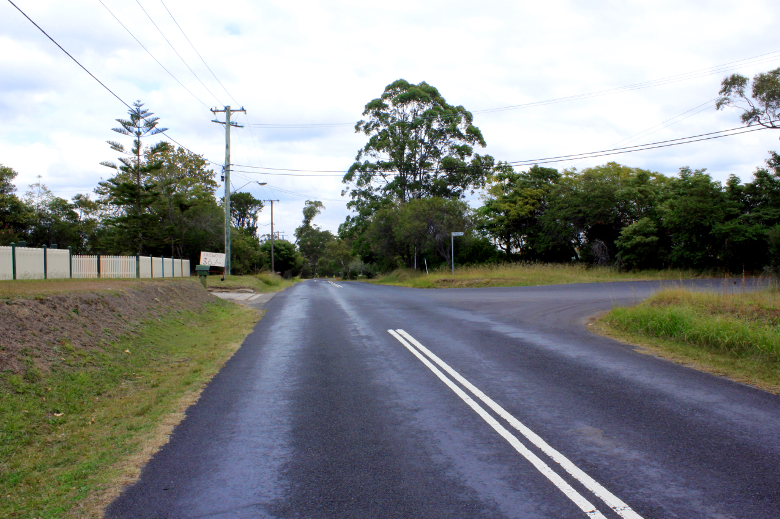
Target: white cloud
(318, 62)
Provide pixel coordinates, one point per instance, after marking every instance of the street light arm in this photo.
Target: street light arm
(252, 182)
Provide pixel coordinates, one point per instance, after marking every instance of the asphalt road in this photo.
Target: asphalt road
(481, 403)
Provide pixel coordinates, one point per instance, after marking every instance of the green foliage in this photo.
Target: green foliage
(287, 259)
(419, 146)
(244, 210)
(761, 105)
(245, 254)
(638, 244)
(311, 240)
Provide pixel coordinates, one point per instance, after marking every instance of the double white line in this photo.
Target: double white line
(335, 284)
(622, 509)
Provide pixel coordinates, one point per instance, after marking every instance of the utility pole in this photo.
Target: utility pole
(226, 178)
(272, 234)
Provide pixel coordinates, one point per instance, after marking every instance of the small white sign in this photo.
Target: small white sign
(457, 234)
(214, 259)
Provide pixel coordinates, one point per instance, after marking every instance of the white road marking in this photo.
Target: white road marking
(335, 284)
(606, 496)
(541, 466)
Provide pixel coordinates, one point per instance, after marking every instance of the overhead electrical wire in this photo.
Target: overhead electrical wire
(198, 53)
(577, 156)
(174, 49)
(69, 55)
(756, 60)
(152, 55)
(101, 83)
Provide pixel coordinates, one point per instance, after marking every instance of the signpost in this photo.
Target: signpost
(452, 249)
(212, 259)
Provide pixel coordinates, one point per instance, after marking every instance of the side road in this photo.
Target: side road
(356, 400)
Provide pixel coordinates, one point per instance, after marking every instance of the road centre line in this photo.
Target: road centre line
(335, 284)
(540, 465)
(607, 497)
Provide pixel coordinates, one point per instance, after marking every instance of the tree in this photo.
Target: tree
(513, 205)
(762, 106)
(14, 214)
(129, 188)
(694, 205)
(287, 259)
(418, 146)
(310, 239)
(244, 210)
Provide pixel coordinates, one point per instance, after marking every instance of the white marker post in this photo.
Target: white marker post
(452, 249)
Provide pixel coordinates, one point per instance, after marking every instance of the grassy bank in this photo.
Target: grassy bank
(514, 274)
(736, 335)
(72, 435)
(263, 282)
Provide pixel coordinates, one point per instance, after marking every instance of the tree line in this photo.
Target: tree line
(407, 190)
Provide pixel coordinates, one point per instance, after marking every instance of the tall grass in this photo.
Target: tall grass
(520, 274)
(737, 324)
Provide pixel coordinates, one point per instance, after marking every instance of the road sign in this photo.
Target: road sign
(457, 234)
(213, 259)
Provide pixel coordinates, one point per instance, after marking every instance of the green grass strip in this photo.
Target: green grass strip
(65, 433)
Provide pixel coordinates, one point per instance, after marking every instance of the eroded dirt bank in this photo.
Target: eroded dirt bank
(33, 331)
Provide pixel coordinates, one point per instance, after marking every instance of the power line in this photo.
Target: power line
(70, 56)
(286, 174)
(576, 156)
(101, 83)
(641, 147)
(174, 50)
(198, 53)
(152, 55)
(760, 59)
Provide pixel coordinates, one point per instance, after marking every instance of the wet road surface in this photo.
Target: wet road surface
(359, 401)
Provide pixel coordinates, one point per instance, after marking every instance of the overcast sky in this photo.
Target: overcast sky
(308, 62)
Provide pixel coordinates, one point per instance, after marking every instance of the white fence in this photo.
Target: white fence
(163, 267)
(6, 263)
(32, 263)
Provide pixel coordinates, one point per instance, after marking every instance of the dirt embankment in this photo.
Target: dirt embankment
(33, 331)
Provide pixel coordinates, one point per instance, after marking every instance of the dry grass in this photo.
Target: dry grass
(521, 274)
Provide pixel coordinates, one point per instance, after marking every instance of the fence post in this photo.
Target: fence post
(13, 260)
(45, 267)
(98, 264)
(138, 266)
(70, 262)
(151, 267)
(162, 261)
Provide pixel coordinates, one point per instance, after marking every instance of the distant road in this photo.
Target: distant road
(352, 400)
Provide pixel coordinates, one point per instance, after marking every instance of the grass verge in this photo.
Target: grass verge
(733, 335)
(262, 282)
(70, 438)
(521, 274)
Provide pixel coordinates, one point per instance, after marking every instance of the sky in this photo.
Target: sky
(318, 63)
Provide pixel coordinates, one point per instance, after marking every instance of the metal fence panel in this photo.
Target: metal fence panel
(185, 269)
(6, 263)
(29, 263)
(168, 267)
(145, 266)
(157, 267)
(57, 264)
(85, 267)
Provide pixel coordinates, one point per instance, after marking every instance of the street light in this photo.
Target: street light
(252, 182)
